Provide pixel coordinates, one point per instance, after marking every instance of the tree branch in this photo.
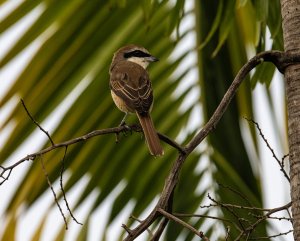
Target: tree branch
(281, 60)
(171, 142)
(138, 220)
(7, 170)
(160, 230)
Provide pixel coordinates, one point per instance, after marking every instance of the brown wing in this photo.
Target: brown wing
(131, 82)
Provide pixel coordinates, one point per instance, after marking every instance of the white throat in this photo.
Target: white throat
(140, 61)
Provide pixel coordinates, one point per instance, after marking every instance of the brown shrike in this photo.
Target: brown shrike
(131, 89)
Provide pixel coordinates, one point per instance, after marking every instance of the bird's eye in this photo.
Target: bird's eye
(136, 53)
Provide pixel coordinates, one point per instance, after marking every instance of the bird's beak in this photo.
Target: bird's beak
(152, 59)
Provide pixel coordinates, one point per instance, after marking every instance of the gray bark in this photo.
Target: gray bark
(290, 10)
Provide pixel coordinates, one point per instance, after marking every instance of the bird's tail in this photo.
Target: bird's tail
(150, 135)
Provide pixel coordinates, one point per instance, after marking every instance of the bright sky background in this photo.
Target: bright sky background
(275, 186)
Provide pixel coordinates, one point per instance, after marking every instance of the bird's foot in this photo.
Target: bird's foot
(125, 131)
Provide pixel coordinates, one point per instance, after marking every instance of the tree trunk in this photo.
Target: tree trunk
(290, 10)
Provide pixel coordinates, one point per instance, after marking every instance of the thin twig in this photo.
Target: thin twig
(186, 215)
(289, 213)
(281, 208)
(270, 148)
(128, 230)
(184, 224)
(35, 122)
(270, 212)
(283, 158)
(208, 206)
(272, 217)
(236, 192)
(3, 172)
(271, 236)
(225, 220)
(280, 218)
(230, 210)
(53, 192)
(252, 227)
(62, 187)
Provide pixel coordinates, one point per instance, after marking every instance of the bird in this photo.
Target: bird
(132, 92)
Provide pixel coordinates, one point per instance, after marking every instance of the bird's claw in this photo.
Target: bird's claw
(126, 129)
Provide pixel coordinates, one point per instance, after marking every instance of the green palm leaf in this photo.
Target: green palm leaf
(77, 39)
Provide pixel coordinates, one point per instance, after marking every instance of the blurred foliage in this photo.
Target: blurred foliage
(76, 40)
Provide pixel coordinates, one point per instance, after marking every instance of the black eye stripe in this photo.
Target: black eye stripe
(136, 53)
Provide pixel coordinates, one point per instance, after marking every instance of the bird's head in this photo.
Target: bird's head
(136, 54)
